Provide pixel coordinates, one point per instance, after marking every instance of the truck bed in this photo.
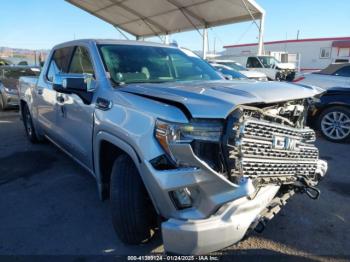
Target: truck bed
(25, 84)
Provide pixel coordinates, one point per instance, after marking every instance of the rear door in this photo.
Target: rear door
(46, 97)
(75, 119)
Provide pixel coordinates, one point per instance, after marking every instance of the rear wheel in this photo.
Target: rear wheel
(334, 123)
(28, 125)
(133, 215)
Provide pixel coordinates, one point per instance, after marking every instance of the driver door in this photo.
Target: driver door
(75, 118)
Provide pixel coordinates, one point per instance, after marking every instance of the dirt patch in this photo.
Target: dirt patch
(24, 165)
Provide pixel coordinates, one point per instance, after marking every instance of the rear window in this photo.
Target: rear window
(345, 71)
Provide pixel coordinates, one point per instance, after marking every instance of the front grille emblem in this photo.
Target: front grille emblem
(284, 143)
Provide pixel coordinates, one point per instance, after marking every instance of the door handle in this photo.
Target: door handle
(60, 99)
(40, 91)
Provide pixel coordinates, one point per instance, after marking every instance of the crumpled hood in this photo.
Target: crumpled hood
(217, 99)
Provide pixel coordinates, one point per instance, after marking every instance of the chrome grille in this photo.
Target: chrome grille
(270, 151)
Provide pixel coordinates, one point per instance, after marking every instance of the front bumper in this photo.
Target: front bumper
(10, 100)
(226, 227)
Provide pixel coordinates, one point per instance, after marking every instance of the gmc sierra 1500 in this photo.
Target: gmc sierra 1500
(166, 137)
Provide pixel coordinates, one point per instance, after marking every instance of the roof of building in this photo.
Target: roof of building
(294, 41)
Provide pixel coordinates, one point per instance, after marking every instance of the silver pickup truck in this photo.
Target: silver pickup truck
(170, 143)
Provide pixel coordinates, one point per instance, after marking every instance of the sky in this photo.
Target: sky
(41, 24)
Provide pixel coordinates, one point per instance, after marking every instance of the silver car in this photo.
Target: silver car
(9, 76)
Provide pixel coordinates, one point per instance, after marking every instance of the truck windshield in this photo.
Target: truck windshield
(268, 61)
(149, 64)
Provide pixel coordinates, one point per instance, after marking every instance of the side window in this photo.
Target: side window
(81, 62)
(253, 62)
(345, 71)
(325, 52)
(59, 62)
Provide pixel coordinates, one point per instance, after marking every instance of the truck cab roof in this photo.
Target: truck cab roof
(111, 42)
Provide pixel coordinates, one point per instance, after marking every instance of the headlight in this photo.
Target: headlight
(168, 133)
(10, 91)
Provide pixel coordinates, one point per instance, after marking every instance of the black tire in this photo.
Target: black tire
(133, 214)
(339, 131)
(28, 125)
(2, 106)
(278, 77)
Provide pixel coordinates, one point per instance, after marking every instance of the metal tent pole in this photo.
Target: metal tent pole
(205, 42)
(261, 34)
(167, 39)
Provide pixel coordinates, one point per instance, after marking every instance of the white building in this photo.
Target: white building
(308, 54)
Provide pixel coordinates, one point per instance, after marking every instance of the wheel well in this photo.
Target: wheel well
(319, 112)
(108, 154)
(315, 118)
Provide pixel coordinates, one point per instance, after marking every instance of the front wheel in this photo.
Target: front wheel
(133, 215)
(278, 77)
(334, 123)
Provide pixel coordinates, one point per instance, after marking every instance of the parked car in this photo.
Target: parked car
(164, 136)
(9, 76)
(228, 72)
(4, 62)
(331, 114)
(255, 75)
(269, 65)
(334, 75)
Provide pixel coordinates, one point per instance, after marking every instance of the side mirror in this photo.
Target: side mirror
(82, 85)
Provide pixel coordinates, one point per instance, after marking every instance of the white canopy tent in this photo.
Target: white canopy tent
(147, 18)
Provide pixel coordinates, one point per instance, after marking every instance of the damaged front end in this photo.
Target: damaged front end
(239, 173)
(272, 145)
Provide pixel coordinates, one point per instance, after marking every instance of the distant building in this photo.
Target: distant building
(308, 54)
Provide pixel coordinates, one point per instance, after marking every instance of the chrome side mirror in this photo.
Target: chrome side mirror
(82, 85)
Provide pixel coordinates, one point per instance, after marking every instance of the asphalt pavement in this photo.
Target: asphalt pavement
(49, 206)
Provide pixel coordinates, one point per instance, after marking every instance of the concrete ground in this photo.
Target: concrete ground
(49, 206)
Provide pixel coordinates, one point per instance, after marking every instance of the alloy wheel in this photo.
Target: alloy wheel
(336, 125)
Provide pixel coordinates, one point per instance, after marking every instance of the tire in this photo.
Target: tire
(133, 214)
(278, 77)
(334, 124)
(2, 106)
(28, 125)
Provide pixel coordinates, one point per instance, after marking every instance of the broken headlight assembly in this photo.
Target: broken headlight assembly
(168, 133)
(199, 134)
